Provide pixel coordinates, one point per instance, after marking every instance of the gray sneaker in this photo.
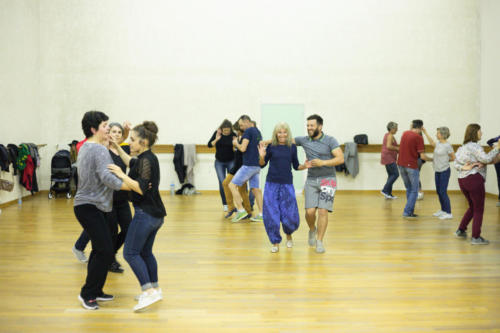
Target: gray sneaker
(479, 241)
(319, 247)
(461, 233)
(312, 237)
(79, 255)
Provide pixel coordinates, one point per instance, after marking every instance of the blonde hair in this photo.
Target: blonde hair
(277, 128)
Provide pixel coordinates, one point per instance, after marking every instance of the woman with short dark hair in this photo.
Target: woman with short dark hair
(93, 199)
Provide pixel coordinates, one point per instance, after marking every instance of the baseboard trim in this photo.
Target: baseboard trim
(26, 197)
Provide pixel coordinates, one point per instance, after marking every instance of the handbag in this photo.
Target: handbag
(361, 139)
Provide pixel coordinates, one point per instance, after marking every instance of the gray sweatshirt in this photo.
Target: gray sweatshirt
(95, 182)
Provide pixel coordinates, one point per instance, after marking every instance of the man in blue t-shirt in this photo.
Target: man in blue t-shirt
(249, 171)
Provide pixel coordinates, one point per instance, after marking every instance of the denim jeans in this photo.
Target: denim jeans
(222, 168)
(410, 179)
(497, 168)
(138, 248)
(393, 174)
(442, 179)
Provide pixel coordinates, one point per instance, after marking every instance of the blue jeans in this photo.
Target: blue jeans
(497, 168)
(442, 179)
(410, 179)
(393, 174)
(138, 249)
(221, 168)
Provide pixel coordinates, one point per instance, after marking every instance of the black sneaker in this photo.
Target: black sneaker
(105, 297)
(410, 217)
(230, 213)
(90, 304)
(115, 267)
(461, 233)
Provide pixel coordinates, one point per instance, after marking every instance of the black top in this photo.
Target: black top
(119, 196)
(145, 169)
(224, 151)
(238, 160)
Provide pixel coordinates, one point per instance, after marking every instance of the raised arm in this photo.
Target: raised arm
(429, 138)
(123, 155)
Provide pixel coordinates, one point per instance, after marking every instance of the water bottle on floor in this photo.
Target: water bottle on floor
(172, 188)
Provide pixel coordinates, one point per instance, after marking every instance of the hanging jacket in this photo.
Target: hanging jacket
(22, 156)
(4, 158)
(13, 152)
(351, 158)
(28, 171)
(180, 168)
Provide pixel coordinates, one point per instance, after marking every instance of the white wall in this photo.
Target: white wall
(188, 65)
(490, 78)
(19, 79)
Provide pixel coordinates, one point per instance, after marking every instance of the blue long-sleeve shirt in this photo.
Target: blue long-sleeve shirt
(281, 158)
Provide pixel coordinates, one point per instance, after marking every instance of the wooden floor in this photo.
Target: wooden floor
(379, 273)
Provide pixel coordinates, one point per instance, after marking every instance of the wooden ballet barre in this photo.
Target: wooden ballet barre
(373, 148)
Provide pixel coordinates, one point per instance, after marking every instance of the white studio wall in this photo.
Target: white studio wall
(490, 79)
(188, 65)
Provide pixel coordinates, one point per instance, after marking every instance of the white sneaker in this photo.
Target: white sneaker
(137, 297)
(438, 213)
(312, 237)
(392, 197)
(80, 255)
(446, 216)
(225, 208)
(420, 196)
(289, 244)
(274, 249)
(387, 196)
(146, 300)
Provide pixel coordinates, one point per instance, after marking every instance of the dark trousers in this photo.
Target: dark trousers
(442, 179)
(95, 225)
(393, 174)
(473, 189)
(119, 216)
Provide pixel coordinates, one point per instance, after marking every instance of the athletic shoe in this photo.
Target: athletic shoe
(387, 196)
(446, 216)
(274, 249)
(319, 247)
(461, 233)
(90, 304)
(137, 297)
(80, 255)
(146, 300)
(115, 267)
(439, 213)
(392, 197)
(410, 217)
(289, 244)
(247, 217)
(420, 196)
(230, 213)
(257, 218)
(239, 216)
(479, 241)
(498, 204)
(312, 237)
(105, 297)
(225, 208)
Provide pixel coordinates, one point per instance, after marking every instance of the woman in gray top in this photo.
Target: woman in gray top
(443, 154)
(93, 199)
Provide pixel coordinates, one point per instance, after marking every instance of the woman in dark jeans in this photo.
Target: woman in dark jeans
(222, 139)
(143, 180)
(388, 158)
(93, 200)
